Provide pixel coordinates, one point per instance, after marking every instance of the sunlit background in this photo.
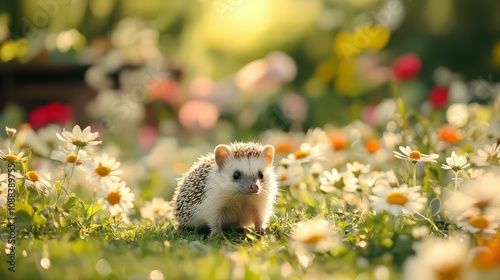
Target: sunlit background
(245, 66)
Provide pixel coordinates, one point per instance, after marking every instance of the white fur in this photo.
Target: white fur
(223, 206)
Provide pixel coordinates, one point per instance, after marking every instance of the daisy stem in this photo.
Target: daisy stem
(67, 177)
(396, 222)
(11, 144)
(414, 175)
(456, 181)
(92, 209)
(26, 197)
(432, 223)
(43, 201)
(59, 193)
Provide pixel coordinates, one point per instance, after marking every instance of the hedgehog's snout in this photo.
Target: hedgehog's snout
(254, 188)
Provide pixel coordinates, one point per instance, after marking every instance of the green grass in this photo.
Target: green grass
(111, 250)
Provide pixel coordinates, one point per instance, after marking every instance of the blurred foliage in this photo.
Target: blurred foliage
(342, 48)
(460, 34)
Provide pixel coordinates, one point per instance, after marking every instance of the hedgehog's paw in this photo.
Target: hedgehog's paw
(216, 228)
(259, 225)
(213, 231)
(260, 229)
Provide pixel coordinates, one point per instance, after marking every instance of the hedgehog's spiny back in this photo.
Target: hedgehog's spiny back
(245, 150)
(191, 189)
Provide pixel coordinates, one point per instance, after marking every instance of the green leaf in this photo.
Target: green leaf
(24, 215)
(309, 200)
(70, 202)
(92, 210)
(39, 220)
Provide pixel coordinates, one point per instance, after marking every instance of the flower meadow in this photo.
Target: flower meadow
(399, 201)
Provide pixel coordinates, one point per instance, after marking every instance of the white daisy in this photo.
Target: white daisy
(357, 168)
(115, 197)
(291, 175)
(69, 158)
(9, 156)
(479, 223)
(414, 156)
(455, 163)
(78, 137)
(397, 200)
(316, 235)
(439, 259)
(488, 156)
(481, 194)
(105, 169)
(305, 154)
(334, 180)
(41, 185)
(474, 173)
(156, 208)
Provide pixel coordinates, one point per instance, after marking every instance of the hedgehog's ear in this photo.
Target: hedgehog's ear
(221, 154)
(268, 152)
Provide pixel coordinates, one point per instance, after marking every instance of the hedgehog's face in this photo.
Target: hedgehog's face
(245, 174)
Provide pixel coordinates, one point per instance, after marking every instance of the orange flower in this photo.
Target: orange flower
(338, 141)
(450, 135)
(372, 145)
(490, 256)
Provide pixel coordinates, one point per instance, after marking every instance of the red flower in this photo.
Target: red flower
(406, 67)
(438, 97)
(54, 112)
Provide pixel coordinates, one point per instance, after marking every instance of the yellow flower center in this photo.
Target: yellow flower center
(301, 154)
(451, 272)
(397, 198)
(415, 155)
(114, 197)
(283, 177)
(479, 222)
(313, 238)
(11, 158)
(33, 176)
(102, 171)
(71, 158)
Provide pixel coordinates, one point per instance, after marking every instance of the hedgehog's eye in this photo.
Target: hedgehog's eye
(236, 175)
(261, 175)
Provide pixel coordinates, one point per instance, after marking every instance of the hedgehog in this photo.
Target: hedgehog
(233, 187)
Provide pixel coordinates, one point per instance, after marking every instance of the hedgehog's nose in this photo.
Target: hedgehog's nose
(254, 188)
